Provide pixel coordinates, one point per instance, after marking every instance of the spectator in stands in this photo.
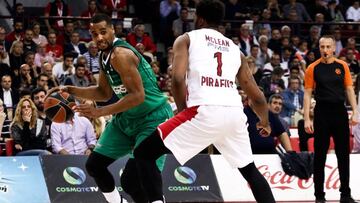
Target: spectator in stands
(353, 12)
(92, 58)
(25, 94)
(299, 8)
(273, 83)
(78, 79)
(352, 62)
(42, 82)
(38, 97)
(114, 8)
(29, 44)
(56, 8)
(29, 133)
(260, 58)
(293, 98)
(30, 60)
(246, 39)
(5, 43)
(17, 34)
(37, 37)
(255, 71)
(303, 135)
(285, 31)
(19, 14)
(265, 53)
(182, 24)
(4, 123)
(47, 68)
(75, 46)
(314, 37)
(141, 49)
(16, 56)
(91, 10)
(76, 136)
(63, 69)
(275, 41)
(120, 32)
(42, 56)
(320, 20)
(339, 41)
(351, 44)
(266, 145)
(4, 56)
(53, 48)
(276, 12)
(169, 11)
(139, 36)
(335, 12)
(65, 36)
(275, 104)
(8, 95)
(275, 61)
(25, 77)
(310, 57)
(236, 10)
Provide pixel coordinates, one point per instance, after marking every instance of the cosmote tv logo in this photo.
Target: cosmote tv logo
(187, 177)
(75, 177)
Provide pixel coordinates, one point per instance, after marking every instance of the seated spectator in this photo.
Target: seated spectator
(30, 61)
(3, 42)
(42, 56)
(29, 44)
(91, 10)
(92, 58)
(75, 136)
(25, 77)
(353, 12)
(4, 56)
(42, 81)
(29, 133)
(47, 68)
(182, 25)
(63, 69)
(64, 36)
(37, 37)
(293, 98)
(353, 64)
(275, 104)
(53, 48)
(17, 34)
(4, 123)
(38, 96)
(159, 77)
(246, 39)
(266, 145)
(350, 44)
(139, 36)
(16, 56)
(115, 9)
(141, 49)
(9, 96)
(78, 79)
(300, 9)
(75, 46)
(275, 61)
(273, 84)
(56, 8)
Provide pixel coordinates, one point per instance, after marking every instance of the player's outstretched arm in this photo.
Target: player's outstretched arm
(259, 104)
(180, 65)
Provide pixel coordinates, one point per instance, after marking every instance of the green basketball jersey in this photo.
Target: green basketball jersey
(154, 98)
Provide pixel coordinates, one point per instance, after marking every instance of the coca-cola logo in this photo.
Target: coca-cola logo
(280, 180)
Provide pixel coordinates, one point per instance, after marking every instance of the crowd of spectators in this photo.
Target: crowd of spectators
(39, 54)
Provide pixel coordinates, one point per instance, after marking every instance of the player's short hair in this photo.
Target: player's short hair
(97, 18)
(212, 11)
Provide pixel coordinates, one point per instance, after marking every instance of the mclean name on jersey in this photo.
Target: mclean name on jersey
(215, 82)
(219, 44)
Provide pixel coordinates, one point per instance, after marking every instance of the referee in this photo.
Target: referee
(330, 79)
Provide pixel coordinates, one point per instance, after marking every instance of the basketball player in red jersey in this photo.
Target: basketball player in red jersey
(205, 66)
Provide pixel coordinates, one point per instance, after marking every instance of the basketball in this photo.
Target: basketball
(58, 107)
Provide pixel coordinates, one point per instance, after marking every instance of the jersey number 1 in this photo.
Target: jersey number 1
(218, 55)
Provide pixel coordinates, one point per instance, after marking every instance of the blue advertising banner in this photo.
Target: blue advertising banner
(22, 180)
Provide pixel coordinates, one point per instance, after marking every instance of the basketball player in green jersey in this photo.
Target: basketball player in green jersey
(140, 109)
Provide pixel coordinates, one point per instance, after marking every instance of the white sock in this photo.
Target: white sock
(112, 197)
(157, 201)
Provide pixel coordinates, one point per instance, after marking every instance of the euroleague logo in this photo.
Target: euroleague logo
(74, 175)
(185, 175)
